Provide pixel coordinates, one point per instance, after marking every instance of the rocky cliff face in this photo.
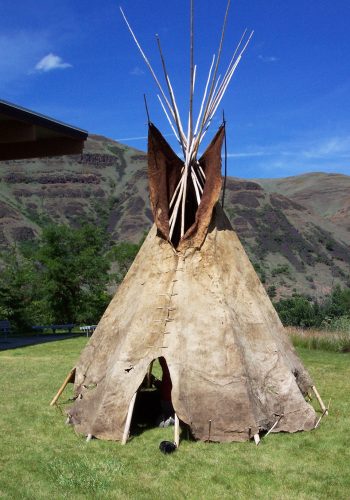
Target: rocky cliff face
(295, 230)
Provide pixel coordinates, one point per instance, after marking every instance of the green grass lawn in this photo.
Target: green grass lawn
(41, 457)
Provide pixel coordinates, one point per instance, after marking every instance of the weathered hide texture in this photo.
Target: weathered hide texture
(164, 173)
(205, 310)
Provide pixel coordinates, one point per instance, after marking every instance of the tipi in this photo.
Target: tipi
(192, 297)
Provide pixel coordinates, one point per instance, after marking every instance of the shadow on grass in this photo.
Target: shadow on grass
(16, 341)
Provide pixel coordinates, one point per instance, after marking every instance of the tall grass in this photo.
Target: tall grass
(334, 337)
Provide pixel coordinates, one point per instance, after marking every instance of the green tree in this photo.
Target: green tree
(296, 311)
(123, 254)
(337, 303)
(18, 290)
(74, 272)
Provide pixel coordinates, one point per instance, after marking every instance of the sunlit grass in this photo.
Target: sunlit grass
(41, 457)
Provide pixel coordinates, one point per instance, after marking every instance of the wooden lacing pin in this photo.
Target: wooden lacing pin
(209, 432)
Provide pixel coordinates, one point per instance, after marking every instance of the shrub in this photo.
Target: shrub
(282, 269)
(341, 324)
(300, 310)
(296, 311)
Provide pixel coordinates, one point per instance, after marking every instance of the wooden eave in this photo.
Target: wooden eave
(26, 134)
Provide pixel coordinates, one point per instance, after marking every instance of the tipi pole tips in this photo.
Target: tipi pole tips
(213, 92)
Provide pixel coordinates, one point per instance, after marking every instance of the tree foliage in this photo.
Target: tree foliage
(296, 311)
(18, 290)
(74, 272)
(63, 277)
(300, 310)
(60, 279)
(123, 254)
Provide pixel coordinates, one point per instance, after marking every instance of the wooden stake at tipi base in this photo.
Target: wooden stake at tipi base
(128, 419)
(232, 366)
(177, 431)
(69, 379)
(319, 399)
(257, 439)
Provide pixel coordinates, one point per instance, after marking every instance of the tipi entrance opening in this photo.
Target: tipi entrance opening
(153, 405)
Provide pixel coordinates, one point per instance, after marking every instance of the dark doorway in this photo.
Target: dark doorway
(153, 406)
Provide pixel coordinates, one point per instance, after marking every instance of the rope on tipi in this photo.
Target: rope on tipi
(214, 91)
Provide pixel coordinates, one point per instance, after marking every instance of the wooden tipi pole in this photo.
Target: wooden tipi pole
(177, 431)
(128, 419)
(69, 378)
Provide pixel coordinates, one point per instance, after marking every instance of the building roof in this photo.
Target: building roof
(26, 134)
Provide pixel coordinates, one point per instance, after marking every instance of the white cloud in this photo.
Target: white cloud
(136, 71)
(51, 62)
(248, 154)
(324, 153)
(267, 59)
(333, 147)
(139, 138)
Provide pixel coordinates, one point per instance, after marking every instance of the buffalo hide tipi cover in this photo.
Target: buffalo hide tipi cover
(202, 307)
(193, 299)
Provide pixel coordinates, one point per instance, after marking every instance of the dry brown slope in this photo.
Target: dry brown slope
(292, 248)
(328, 195)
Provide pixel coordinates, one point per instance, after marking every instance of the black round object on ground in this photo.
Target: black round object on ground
(167, 447)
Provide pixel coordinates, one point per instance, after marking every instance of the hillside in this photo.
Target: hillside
(106, 185)
(295, 230)
(325, 194)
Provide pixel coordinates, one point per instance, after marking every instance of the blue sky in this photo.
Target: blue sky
(288, 105)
